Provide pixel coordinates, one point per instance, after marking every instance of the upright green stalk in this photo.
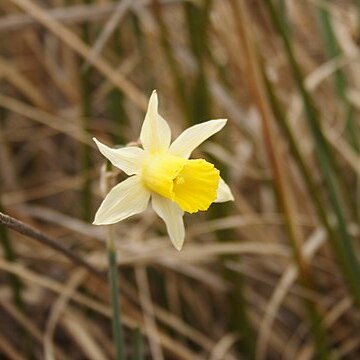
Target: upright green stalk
(283, 13)
(114, 288)
(115, 298)
(138, 353)
(342, 246)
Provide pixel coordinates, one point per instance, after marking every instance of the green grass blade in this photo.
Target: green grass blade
(340, 84)
(138, 352)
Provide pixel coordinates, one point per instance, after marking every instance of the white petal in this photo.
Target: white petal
(127, 159)
(192, 137)
(173, 218)
(223, 192)
(128, 198)
(155, 132)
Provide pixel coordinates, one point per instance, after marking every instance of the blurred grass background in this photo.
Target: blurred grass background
(274, 275)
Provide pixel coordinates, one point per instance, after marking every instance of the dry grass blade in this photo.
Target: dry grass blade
(148, 312)
(56, 312)
(84, 339)
(107, 31)
(9, 350)
(287, 280)
(45, 118)
(223, 346)
(22, 84)
(81, 48)
(69, 15)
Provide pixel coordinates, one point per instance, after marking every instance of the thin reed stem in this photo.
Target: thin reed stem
(118, 335)
(113, 279)
(138, 352)
(340, 84)
(46, 240)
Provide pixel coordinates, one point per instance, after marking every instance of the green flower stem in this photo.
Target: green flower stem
(138, 353)
(118, 335)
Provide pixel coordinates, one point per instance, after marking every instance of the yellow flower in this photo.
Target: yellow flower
(163, 172)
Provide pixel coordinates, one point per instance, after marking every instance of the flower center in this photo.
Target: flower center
(192, 184)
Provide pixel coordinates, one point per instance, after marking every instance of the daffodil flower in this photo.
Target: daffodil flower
(162, 171)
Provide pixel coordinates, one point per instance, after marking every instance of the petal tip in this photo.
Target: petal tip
(97, 221)
(154, 96)
(97, 142)
(100, 220)
(178, 247)
(178, 242)
(223, 121)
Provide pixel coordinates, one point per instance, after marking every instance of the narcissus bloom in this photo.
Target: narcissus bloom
(163, 172)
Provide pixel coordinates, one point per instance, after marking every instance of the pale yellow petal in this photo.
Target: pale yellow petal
(223, 192)
(192, 137)
(155, 133)
(128, 198)
(127, 159)
(173, 218)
